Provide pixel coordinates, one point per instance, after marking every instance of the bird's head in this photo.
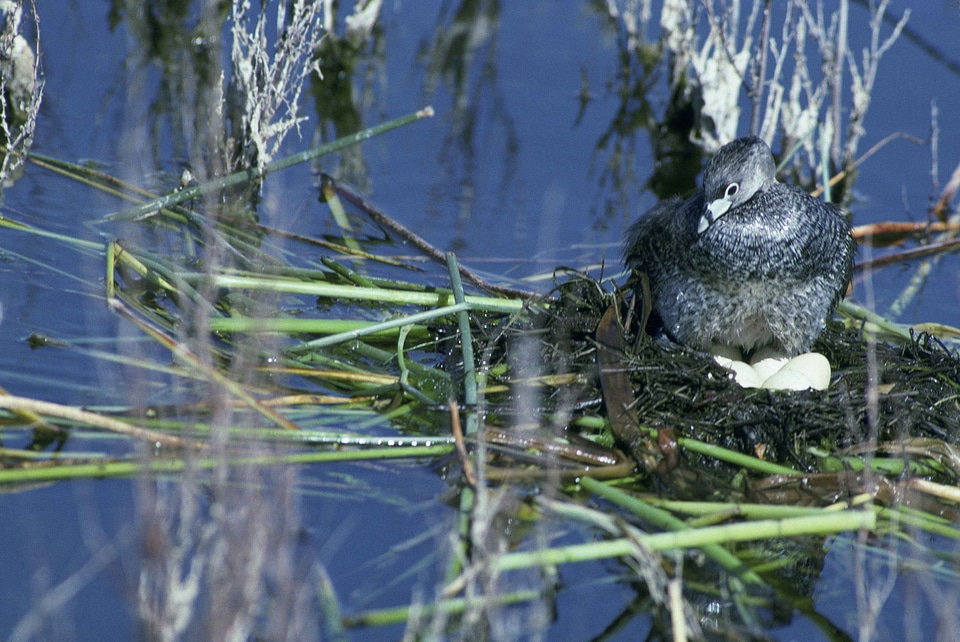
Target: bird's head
(733, 176)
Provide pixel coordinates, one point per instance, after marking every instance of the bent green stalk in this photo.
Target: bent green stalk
(250, 174)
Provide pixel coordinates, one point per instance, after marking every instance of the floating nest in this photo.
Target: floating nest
(883, 396)
(879, 391)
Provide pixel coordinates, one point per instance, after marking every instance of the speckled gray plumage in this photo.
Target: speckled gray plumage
(762, 264)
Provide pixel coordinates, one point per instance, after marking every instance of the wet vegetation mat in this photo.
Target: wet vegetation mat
(889, 395)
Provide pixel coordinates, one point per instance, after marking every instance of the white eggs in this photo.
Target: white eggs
(774, 371)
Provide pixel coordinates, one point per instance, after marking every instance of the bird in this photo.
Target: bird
(747, 262)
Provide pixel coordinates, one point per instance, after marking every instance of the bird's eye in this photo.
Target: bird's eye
(731, 191)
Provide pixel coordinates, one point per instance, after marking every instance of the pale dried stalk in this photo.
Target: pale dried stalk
(268, 82)
(730, 58)
(21, 89)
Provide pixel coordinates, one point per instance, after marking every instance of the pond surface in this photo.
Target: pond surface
(510, 174)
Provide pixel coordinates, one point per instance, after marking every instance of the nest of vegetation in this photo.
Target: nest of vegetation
(880, 392)
(915, 389)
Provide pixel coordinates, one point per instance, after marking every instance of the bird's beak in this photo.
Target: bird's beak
(714, 210)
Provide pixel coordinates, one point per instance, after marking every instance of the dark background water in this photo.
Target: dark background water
(515, 183)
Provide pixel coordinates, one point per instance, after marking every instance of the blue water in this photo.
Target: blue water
(516, 194)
